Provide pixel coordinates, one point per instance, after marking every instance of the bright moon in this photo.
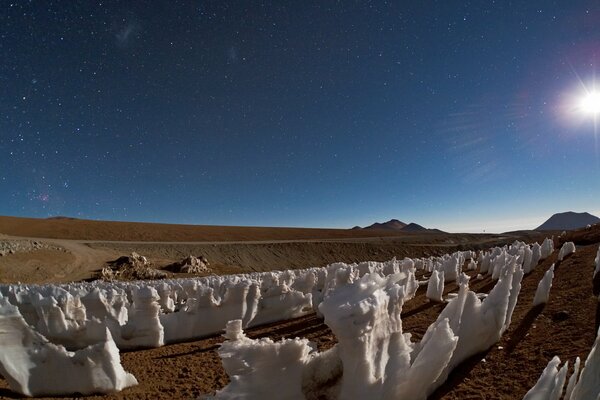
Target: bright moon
(590, 104)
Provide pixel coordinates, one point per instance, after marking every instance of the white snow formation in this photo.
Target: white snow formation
(435, 286)
(34, 367)
(597, 261)
(547, 248)
(152, 313)
(374, 358)
(584, 386)
(271, 377)
(542, 293)
(551, 382)
(536, 256)
(142, 314)
(472, 266)
(566, 249)
(587, 386)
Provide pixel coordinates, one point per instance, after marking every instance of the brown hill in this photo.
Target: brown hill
(81, 229)
(398, 226)
(391, 225)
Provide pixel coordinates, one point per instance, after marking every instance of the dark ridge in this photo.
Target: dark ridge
(392, 224)
(567, 221)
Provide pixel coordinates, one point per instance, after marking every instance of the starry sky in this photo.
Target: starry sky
(459, 115)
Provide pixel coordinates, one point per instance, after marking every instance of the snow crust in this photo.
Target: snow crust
(472, 266)
(542, 293)
(573, 379)
(584, 386)
(551, 382)
(265, 376)
(374, 358)
(566, 249)
(34, 367)
(547, 248)
(152, 313)
(536, 256)
(588, 384)
(361, 302)
(597, 261)
(435, 286)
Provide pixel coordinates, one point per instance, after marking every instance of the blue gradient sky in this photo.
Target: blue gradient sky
(452, 115)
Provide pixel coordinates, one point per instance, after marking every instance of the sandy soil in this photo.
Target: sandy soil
(79, 248)
(79, 229)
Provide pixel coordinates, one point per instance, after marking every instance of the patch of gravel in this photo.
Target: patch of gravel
(12, 246)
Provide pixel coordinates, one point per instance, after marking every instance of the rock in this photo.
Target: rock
(560, 316)
(139, 258)
(190, 265)
(131, 267)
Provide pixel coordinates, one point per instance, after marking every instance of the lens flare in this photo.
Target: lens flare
(590, 103)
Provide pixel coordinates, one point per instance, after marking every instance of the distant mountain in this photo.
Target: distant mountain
(396, 225)
(567, 221)
(391, 225)
(435, 230)
(412, 227)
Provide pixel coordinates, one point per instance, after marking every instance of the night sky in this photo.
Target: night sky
(454, 115)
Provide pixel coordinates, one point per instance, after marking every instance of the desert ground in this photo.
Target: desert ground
(62, 250)
(65, 250)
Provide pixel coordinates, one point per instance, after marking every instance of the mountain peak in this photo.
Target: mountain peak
(413, 227)
(399, 226)
(392, 224)
(568, 220)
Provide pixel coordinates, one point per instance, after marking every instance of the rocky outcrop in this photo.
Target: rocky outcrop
(131, 267)
(190, 265)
